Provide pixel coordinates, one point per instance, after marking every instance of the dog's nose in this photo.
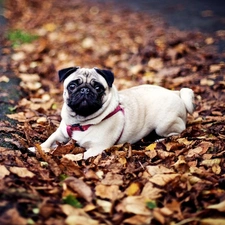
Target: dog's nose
(84, 90)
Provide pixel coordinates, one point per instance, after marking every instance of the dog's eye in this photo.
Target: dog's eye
(71, 87)
(98, 88)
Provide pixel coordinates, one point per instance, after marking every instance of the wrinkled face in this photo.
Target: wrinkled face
(85, 91)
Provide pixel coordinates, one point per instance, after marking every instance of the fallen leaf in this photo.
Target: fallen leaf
(158, 169)
(80, 220)
(21, 172)
(134, 204)
(151, 146)
(211, 162)
(112, 179)
(105, 206)
(163, 179)
(12, 217)
(212, 221)
(3, 172)
(111, 192)
(151, 192)
(220, 206)
(79, 187)
(139, 219)
(133, 188)
(216, 169)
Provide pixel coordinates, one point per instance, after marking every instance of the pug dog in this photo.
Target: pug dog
(97, 115)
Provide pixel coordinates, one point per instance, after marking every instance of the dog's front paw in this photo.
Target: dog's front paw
(91, 153)
(32, 149)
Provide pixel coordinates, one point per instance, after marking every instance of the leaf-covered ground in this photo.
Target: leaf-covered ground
(177, 181)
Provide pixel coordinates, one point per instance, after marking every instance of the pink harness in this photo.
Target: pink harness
(78, 127)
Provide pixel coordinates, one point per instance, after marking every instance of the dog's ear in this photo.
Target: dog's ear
(64, 73)
(107, 74)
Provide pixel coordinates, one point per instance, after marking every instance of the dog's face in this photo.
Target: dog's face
(85, 90)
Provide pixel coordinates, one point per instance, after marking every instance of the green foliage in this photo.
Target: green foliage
(18, 37)
(62, 177)
(71, 200)
(151, 204)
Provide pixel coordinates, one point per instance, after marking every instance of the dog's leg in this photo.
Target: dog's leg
(173, 128)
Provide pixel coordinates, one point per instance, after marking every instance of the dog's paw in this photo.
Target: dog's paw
(92, 153)
(32, 149)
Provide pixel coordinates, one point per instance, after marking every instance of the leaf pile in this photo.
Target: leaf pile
(179, 180)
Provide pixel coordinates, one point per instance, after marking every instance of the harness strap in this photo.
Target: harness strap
(78, 127)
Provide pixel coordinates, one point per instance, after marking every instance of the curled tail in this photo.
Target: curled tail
(187, 95)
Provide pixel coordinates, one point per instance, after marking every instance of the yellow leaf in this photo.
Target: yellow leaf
(133, 189)
(151, 146)
(50, 27)
(123, 160)
(210, 162)
(216, 169)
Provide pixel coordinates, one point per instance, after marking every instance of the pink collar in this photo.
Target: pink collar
(78, 127)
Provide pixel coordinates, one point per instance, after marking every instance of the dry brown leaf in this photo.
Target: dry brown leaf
(105, 206)
(111, 192)
(214, 68)
(163, 179)
(12, 217)
(3, 172)
(77, 216)
(80, 187)
(69, 167)
(164, 154)
(139, 219)
(134, 204)
(220, 206)
(151, 192)
(17, 116)
(112, 179)
(212, 221)
(181, 165)
(158, 169)
(159, 216)
(211, 162)
(21, 172)
(67, 148)
(80, 220)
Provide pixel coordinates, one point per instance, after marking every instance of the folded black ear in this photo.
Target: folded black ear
(107, 74)
(64, 73)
